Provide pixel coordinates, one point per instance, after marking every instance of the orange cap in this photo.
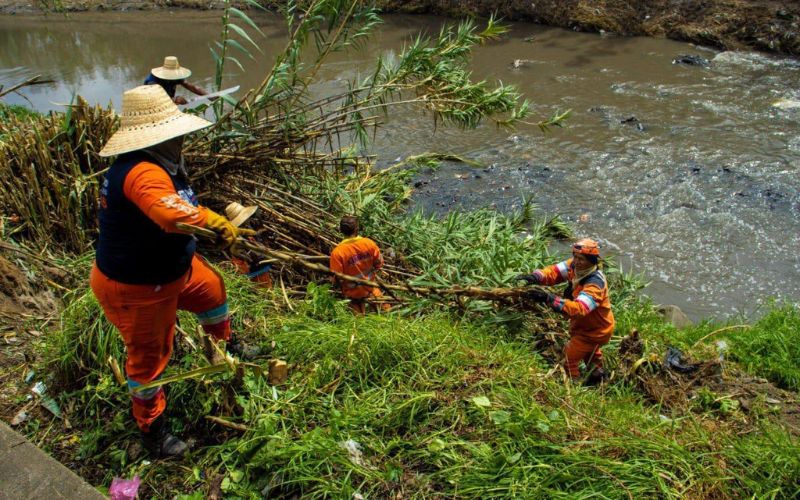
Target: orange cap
(586, 246)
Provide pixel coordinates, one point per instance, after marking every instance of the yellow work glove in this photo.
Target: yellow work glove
(225, 229)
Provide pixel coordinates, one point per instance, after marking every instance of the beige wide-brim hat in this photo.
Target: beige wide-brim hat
(149, 117)
(238, 214)
(171, 70)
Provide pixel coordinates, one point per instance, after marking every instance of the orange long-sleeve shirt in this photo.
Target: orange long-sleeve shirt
(358, 257)
(587, 305)
(150, 188)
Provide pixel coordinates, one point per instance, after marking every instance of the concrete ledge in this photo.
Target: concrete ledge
(26, 472)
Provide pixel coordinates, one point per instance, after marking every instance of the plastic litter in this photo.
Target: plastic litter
(674, 361)
(124, 489)
(48, 403)
(722, 347)
(354, 450)
(20, 417)
(39, 388)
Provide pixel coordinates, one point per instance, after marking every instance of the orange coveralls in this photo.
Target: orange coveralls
(588, 308)
(256, 274)
(358, 257)
(146, 314)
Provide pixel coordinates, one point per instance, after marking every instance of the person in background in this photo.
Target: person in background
(169, 76)
(248, 264)
(585, 302)
(358, 257)
(145, 268)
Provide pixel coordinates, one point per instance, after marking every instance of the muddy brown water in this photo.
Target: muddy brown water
(689, 175)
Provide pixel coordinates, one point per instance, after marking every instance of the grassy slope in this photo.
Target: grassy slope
(440, 405)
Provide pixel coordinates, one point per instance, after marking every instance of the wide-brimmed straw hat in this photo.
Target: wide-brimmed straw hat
(171, 70)
(149, 117)
(238, 214)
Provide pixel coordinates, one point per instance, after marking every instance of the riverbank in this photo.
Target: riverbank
(461, 401)
(459, 391)
(764, 25)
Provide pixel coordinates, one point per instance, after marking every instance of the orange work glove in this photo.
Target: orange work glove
(225, 229)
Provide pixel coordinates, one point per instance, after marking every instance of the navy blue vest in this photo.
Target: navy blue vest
(168, 85)
(132, 248)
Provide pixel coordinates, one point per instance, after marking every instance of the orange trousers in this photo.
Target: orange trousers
(263, 279)
(145, 316)
(580, 348)
(359, 304)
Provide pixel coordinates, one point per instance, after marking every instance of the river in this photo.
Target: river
(688, 175)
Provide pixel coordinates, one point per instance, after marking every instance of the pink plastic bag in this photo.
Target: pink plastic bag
(124, 489)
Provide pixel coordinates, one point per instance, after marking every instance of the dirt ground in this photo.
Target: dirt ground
(766, 25)
(681, 384)
(25, 305)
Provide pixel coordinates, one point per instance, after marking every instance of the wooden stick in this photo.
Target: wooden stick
(228, 424)
(467, 291)
(720, 331)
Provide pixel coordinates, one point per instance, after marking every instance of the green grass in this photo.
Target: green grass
(440, 405)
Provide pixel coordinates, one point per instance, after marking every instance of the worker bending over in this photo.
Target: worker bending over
(145, 269)
(246, 262)
(586, 303)
(358, 257)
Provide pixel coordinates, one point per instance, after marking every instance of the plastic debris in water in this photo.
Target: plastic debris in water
(124, 489)
(786, 104)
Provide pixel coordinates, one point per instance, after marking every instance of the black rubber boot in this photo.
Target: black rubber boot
(160, 443)
(597, 377)
(241, 349)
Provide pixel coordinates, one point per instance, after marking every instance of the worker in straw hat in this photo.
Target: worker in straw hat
(169, 76)
(250, 265)
(145, 269)
(585, 302)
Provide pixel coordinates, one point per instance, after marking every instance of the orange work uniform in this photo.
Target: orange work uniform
(588, 307)
(258, 273)
(145, 270)
(358, 257)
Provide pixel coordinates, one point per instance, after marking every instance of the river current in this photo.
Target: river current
(689, 175)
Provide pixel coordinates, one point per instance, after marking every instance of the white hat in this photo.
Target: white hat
(149, 117)
(171, 70)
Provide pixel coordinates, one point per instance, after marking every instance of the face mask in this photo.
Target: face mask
(169, 155)
(579, 275)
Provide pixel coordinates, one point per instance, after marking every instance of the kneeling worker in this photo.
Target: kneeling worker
(247, 263)
(586, 303)
(146, 269)
(358, 257)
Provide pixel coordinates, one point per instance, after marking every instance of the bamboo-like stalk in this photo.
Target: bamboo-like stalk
(494, 294)
(227, 423)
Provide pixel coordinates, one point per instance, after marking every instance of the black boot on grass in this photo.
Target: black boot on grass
(160, 443)
(597, 377)
(242, 350)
